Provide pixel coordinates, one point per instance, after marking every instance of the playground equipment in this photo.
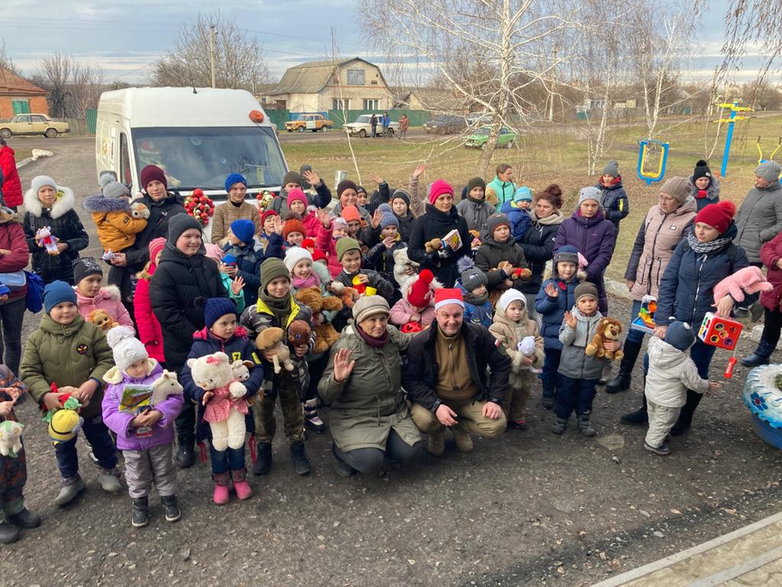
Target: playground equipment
(647, 145)
(731, 120)
(760, 151)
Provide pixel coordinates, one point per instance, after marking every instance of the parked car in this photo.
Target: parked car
(362, 128)
(445, 125)
(476, 118)
(33, 124)
(313, 122)
(478, 139)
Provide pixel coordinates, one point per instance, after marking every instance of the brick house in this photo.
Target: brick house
(18, 96)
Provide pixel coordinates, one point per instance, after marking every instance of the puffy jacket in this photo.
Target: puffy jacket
(157, 226)
(12, 185)
(654, 245)
(248, 264)
(117, 229)
(491, 254)
(710, 195)
(475, 213)
(475, 313)
(759, 219)
(671, 374)
(120, 422)
(174, 287)
(519, 220)
(490, 368)
(12, 239)
(64, 224)
(436, 224)
(538, 246)
(498, 192)
(771, 253)
(149, 331)
(552, 310)
(509, 334)
(575, 363)
(226, 213)
(370, 402)
(403, 311)
(107, 299)
(324, 242)
(614, 201)
(686, 291)
(68, 355)
(259, 317)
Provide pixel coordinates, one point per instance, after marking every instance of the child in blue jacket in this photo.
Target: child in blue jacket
(247, 257)
(477, 307)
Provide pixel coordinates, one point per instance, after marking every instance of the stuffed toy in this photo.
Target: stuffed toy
(607, 329)
(265, 200)
(475, 243)
(139, 210)
(412, 327)
(102, 320)
(325, 334)
(241, 370)
(49, 242)
(514, 272)
(164, 387)
(348, 295)
(433, 245)
(224, 401)
(749, 280)
(10, 438)
(272, 340)
(404, 268)
(527, 349)
(299, 333)
(64, 424)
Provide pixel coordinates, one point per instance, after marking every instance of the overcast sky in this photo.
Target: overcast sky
(125, 37)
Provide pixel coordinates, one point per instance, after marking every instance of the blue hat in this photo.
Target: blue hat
(234, 178)
(679, 335)
(566, 254)
(217, 307)
(523, 194)
(244, 230)
(388, 220)
(57, 292)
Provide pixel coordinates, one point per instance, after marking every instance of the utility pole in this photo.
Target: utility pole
(212, 36)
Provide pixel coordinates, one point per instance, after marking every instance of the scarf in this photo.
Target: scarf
(707, 248)
(702, 194)
(373, 342)
(555, 217)
(300, 283)
(475, 200)
(471, 298)
(281, 308)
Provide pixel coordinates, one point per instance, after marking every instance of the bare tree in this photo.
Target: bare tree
(72, 87)
(238, 56)
(5, 60)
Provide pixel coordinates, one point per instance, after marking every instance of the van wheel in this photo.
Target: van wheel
(362, 133)
(50, 133)
(5, 133)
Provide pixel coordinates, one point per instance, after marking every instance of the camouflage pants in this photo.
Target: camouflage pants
(292, 413)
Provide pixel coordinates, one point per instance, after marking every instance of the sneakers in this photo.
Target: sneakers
(263, 462)
(170, 508)
(139, 513)
(24, 519)
(585, 426)
(8, 533)
(241, 487)
(463, 440)
(69, 490)
(301, 464)
(221, 494)
(312, 420)
(662, 450)
(559, 425)
(340, 466)
(109, 481)
(436, 444)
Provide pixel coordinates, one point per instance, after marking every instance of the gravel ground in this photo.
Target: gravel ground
(529, 507)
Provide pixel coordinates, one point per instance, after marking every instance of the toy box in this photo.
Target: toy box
(645, 319)
(720, 332)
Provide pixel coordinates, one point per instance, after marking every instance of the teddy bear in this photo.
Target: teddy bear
(347, 295)
(241, 370)
(272, 340)
(10, 438)
(102, 320)
(299, 333)
(325, 334)
(607, 329)
(224, 401)
(433, 245)
(748, 280)
(139, 210)
(165, 386)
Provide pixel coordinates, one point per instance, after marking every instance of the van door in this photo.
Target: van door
(125, 171)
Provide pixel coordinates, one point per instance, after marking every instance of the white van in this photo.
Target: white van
(198, 136)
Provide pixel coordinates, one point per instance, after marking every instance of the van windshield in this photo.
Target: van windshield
(204, 157)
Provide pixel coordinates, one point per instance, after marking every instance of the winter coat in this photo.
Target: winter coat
(489, 368)
(68, 355)
(259, 317)
(475, 213)
(121, 422)
(770, 254)
(12, 239)
(498, 192)
(12, 185)
(614, 201)
(384, 287)
(370, 403)
(711, 195)
(324, 242)
(173, 289)
(107, 299)
(226, 213)
(381, 259)
(519, 220)
(538, 246)
(759, 219)
(64, 224)
(149, 331)
(671, 373)
(509, 334)
(117, 229)
(321, 199)
(436, 224)
(248, 264)
(157, 226)
(552, 310)
(491, 254)
(575, 363)
(475, 313)
(405, 225)
(403, 311)
(686, 291)
(654, 245)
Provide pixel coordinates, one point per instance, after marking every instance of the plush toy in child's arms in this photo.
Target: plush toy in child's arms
(164, 387)
(608, 329)
(139, 210)
(273, 340)
(102, 320)
(10, 438)
(44, 236)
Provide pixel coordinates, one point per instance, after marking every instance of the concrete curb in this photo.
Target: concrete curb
(24, 162)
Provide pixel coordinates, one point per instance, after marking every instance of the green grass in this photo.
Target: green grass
(548, 155)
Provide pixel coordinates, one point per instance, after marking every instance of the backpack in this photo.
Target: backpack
(34, 298)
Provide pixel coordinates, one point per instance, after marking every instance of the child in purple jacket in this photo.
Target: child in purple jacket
(145, 436)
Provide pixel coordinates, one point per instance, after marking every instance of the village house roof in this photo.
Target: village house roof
(311, 77)
(12, 84)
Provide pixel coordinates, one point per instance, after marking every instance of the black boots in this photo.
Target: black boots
(640, 416)
(549, 387)
(185, 454)
(170, 508)
(622, 380)
(263, 462)
(139, 515)
(301, 464)
(760, 356)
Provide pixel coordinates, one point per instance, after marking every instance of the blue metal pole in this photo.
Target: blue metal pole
(728, 140)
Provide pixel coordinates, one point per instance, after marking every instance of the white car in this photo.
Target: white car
(362, 128)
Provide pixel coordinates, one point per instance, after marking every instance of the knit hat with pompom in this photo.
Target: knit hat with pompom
(127, 349)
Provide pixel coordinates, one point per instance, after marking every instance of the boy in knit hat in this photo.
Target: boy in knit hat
(613, 197)
(144, 435)
(354, 275)
(472, 283)
(246, 257)
(381, 256)
(474, 207)
(73, 355)
(293, 232)
(671, 373)
(704, 187)
(90, 296)
(579, 372)
(517, 211)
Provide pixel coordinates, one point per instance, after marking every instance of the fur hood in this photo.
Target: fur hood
(101, 204)
(62, 205)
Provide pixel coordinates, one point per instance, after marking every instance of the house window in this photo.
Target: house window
(20, 106)
(370, 104)
(356, 77)
(340, 104)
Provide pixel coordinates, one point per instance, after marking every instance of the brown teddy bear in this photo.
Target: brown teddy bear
(433, 245)
(325, 335)
(348, 295)
(273, 339)
(102, 320)
(607, 329)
